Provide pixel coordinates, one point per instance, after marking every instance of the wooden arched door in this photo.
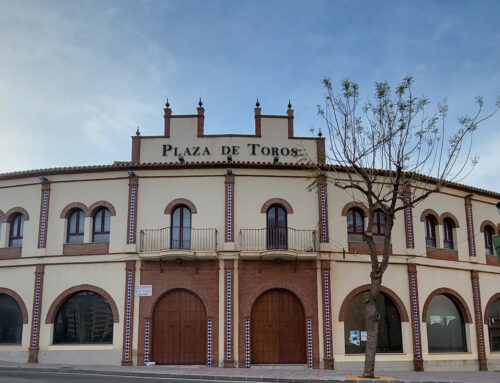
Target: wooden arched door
(278, 333)
(179, 329)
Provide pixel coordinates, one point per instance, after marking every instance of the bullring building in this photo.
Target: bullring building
(212, 250)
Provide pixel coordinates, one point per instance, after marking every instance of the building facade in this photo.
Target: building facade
(213, 249)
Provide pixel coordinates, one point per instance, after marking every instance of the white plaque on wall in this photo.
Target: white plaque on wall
(143, 290)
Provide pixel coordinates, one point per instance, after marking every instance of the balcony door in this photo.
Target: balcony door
(181, 228)
(276, 228)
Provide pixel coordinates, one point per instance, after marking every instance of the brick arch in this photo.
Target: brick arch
(488, 223)
(278, 201)
(212, 312)
(450, 216)
(17, 210)
(180, 201)
(96, 205)
(57, 303)
(73, 205)
(385, 290)
(306, 304)
(355, 205)
(427, 212)
(454, 296)
(2, 216)
(488, 305)
(18, 299)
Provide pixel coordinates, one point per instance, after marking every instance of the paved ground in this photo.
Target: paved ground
(288, 375)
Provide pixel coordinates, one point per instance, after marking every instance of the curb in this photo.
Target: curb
(167, 375)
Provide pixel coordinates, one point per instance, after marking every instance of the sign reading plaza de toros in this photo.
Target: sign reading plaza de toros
(252, 149)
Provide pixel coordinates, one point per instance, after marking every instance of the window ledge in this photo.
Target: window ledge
(10, 252)
(93, 248)
(77, 346)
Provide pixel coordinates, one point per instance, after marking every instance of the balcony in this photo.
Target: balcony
(283, 242)
(176, 242)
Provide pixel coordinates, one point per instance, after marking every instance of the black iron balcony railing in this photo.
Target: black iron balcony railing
(278, 238)
(177, 238)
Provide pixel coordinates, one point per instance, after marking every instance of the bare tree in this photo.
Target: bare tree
(376, 150)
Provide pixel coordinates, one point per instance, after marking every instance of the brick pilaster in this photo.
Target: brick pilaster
(418, 361)
(410, 242)
(133, 191)
(478, 319)
(323, 209)
(37, 309)
(44, 215)
(128, 310)
(470, 227)
(228, 309)
(229, 210)
(327, 316)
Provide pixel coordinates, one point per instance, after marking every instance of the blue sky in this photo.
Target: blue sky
(78, 77)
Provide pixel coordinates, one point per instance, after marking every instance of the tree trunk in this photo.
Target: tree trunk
(372, 319)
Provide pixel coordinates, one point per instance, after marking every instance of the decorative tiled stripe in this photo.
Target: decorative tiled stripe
(146, 343)
(127, 315)
(209, 343)
(309, 345)
(479, 319)
(229, 191)
(43, 219)
(132, 215)
(247, 343)
(409, 223)
(323, 216)
(228, 314)
(416, 321)
(470, 228)
(327, 316)
(36, 312)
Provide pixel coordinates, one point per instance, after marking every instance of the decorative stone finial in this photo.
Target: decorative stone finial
(137, 132)
(289, 104)
(257, 104)
(319, 133)
(167, 104)
(200, 104)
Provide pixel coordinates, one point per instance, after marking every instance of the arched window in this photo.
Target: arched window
(378, 226)
(445, 326)
(355, 225)
(85, 317)
(11, 320)
(16, 230)
(181, 228)
(389, 327)
(448, 226)
(430, 231)
(276, 228)
(100, 227)
(488, 240)
(76, 222)
(494, 325)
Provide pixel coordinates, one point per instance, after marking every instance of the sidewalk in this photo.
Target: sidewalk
(288, 375)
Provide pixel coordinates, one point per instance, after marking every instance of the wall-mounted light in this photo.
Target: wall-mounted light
(229, 158)
(470, 195)
(131, 173)
(229, 171)
(276, 159)
(181, 158)
(43, 179)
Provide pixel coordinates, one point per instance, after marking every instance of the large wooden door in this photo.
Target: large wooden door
(179, 329)
(277, 328)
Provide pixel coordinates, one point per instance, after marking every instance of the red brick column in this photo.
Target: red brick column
(128, 313)
(229, 216)
(323, 209)
(228, 326)
(410, 242)
(478, 319)
(37, 309)
(133, 192)
(418, 361)
(44, 215)
(470, 227)
(327, 316)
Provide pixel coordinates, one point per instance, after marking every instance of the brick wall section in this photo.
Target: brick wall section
(444, 254)
(418, 361)
(10, 252)
(202, 278)
(94, 248)
(136, 149)
(229, 313)
(128, 313)
(363, 248)
(328, 359)
(256, 277)
(478, 320)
